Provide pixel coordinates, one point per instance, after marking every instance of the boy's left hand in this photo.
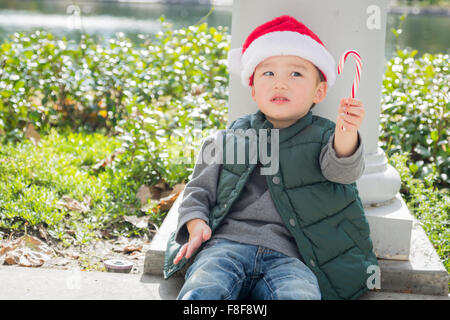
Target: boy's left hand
(350, 114)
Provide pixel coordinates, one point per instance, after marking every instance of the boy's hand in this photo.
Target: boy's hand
(199, 232)
(350, 117)
(350, 114)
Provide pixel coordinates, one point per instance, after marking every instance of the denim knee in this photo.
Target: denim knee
(286, 278)
(212, 276)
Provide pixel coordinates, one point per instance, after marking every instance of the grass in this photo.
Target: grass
(34, 179)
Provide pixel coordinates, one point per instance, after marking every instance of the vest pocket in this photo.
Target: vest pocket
(354, 234)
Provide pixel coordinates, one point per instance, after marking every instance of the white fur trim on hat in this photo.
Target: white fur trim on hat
(234, 61)
(283, 43)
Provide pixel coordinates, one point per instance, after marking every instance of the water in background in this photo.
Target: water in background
(426, 33)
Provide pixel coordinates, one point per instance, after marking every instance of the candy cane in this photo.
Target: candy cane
(358, 70)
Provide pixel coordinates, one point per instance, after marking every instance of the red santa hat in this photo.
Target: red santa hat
(283, 35)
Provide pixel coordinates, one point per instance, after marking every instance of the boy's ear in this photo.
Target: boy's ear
(253, 93)
(321, 92)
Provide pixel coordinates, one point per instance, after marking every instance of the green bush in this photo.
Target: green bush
(423, 3)
(57, 82)
(416, 112)
(150, 93)
(427, 203)
(189, 82)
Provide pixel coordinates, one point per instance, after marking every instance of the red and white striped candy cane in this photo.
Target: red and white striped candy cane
(357, 57)
(342, 60)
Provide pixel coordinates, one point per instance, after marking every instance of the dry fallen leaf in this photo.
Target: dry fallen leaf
(60, 261)
(108, 160)
(178, 187)
(71, 254)
(155, 193)
(126, 245)
(131, 248)
(139, 222)
(175, 190)
(143, 194)
(43, 232)
(26, 257)
(26, 251)
(161, 185)
(166, 197)
(74, 205)
(166, 202)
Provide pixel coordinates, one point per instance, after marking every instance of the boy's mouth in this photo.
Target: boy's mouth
(279, 99)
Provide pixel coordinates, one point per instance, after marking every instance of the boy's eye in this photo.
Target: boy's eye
(267, 72)
(296, 74)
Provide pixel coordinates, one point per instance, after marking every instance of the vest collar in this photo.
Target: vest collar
(259, 121)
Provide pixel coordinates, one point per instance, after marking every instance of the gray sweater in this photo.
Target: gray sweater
(253, 218)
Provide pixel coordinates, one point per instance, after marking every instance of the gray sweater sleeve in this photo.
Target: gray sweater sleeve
(199, 194)
(343, 170)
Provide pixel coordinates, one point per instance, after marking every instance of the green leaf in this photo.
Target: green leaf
(28, 54)
(19, 84)
(6, 93)
(423, 151)
(394, 31)
(434, 136)
(413, 167)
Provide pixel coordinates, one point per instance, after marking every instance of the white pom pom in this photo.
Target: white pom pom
(234, 61)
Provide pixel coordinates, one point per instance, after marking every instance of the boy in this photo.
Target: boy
(299, 232)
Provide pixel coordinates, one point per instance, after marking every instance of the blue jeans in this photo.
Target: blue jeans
(228, 270)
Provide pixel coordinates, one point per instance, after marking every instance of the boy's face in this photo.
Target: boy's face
(294, 80)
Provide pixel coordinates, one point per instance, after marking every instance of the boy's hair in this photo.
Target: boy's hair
(321, 79)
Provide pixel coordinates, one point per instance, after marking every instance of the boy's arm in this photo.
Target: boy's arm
(199, 195)
(342, 159)
(344, 170)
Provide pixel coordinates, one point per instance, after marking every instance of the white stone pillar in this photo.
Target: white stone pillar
(342, 25)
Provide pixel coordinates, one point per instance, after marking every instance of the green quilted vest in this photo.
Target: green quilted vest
(326, 219)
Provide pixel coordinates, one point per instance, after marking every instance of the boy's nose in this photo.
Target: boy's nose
(279, 84)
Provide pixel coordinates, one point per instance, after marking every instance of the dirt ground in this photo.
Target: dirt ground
(91, 257)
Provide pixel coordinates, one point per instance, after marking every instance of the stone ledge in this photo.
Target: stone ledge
(154, 257)
(423, 273)
(390, 228)
(381, 295)
(47, 284)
